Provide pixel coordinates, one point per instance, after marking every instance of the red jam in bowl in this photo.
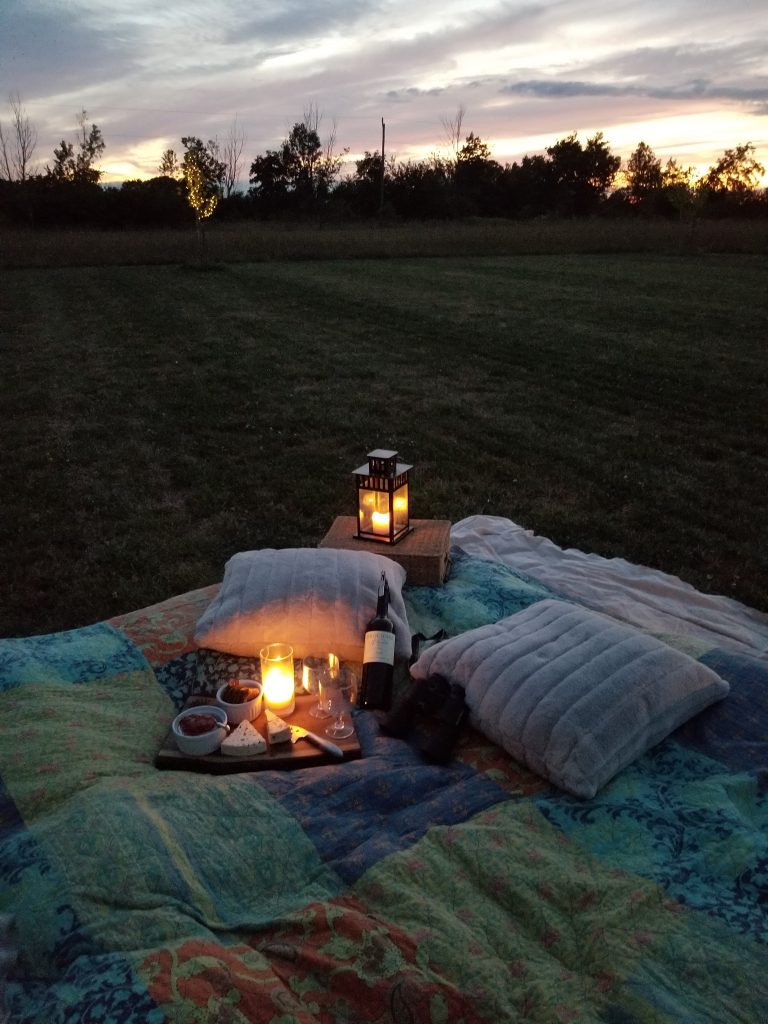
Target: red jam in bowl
(196, 725)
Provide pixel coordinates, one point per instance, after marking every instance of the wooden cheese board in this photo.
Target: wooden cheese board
(301, 754)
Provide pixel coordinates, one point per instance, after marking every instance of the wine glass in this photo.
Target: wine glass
(337, 691)
(314, 671)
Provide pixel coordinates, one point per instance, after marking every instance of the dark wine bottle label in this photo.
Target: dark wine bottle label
(379, 646)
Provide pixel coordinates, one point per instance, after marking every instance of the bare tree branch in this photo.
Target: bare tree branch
(312, 118)
(17, 146)
(5, 156)
(452, 129)
(232, 156)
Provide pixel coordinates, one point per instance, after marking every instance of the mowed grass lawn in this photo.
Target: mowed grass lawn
(158, 419)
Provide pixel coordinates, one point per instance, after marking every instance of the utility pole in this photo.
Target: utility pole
(381, 181)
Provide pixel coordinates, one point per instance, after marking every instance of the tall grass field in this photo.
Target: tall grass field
(158, 416)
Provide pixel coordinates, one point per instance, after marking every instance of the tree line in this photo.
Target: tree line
(302, 178)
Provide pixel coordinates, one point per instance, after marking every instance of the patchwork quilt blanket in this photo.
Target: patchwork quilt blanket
(383, 889)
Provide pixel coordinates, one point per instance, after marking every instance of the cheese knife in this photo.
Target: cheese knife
(298, 733)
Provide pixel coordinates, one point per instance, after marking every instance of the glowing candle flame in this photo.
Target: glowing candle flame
(380, 522)
(277, 678)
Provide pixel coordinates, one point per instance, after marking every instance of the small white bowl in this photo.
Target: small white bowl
(206, 742)
(247, 710)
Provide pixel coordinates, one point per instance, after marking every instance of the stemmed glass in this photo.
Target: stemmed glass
(337, 692)
(314, 670)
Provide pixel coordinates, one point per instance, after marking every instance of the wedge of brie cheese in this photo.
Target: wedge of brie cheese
(277, 730)
(244, 741)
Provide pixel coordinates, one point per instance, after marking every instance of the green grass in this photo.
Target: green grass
(158, 419)
(249, 242)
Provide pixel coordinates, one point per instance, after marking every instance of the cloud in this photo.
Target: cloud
(681, 73)
(412, 93)
(292, 22)
(740, 68)
(696, 89)
(557, 88)
(39, 47)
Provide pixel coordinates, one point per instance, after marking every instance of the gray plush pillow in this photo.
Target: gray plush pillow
(315, 599)
(572, 694)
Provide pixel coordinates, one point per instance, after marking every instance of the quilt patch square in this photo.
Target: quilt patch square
(74, 656)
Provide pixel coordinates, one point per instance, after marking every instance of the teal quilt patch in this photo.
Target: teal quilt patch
(75, 656)
(681, 819)
(475, 593)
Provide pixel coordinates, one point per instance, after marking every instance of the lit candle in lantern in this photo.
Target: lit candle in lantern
(277, 680)
(382, 498)
(380, 523)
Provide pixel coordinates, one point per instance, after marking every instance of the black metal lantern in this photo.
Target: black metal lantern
(383, 499)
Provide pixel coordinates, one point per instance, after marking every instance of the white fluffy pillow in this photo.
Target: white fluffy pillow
(315, 599)
(573, 695)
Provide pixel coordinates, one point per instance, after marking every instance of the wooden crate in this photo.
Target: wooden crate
(424, 553)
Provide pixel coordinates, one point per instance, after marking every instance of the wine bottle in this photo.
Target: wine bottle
(378, 655)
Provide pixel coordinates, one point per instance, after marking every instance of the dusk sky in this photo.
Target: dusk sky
(688, 77)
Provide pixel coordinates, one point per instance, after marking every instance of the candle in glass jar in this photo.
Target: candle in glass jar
(277, 678)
